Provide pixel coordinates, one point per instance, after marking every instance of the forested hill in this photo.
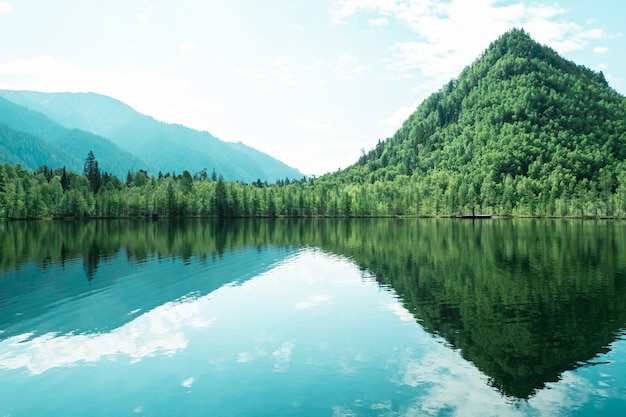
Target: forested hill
(165, 147)
(520, 130)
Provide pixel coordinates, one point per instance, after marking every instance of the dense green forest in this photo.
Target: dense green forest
(46, 193)
(522, 131)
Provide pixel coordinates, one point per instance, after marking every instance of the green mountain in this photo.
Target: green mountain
(31, 151)
(32, 139)
(164, 147)
(519, 130)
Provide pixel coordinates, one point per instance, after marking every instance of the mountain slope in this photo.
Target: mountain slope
(31, 152)
(32, 139)
(520, 117)
(168, 147)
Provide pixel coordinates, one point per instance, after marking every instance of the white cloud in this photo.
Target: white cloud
(281, 71)
(189, 46)
(381, 21)
(399, 116)
(5, 8)
(160, 96)
(600, 50)
(349, 7)
(312, 125)
(452, 34)
(49, 74)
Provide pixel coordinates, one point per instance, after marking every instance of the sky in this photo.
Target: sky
(313, 83)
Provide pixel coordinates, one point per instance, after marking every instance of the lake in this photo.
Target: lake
(375, 317)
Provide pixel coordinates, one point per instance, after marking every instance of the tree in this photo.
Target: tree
(221, 198)
(92, 172)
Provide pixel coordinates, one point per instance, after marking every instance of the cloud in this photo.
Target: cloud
(189, 46)
(312, 125)
(281, 71)
(381, 21)
(161, 96)
(5, 8)
(399, 116)
(49, 74)
(600, 50)
(452, 34)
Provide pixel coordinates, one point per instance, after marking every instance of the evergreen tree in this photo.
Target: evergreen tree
(92, 172)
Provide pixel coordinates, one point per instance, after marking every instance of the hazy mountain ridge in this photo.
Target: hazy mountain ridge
(30, 151)
(164, 147)
(34, 140)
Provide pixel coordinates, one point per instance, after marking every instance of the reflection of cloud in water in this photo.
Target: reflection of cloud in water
(187, 383)
(570, 393)
(245, 357)
(456, 387)
(451, 384)
(313, 301)
(157, 331)
(399, 310)
(282, 356)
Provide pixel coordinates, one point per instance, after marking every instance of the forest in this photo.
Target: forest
(46, 193)
(521, 132)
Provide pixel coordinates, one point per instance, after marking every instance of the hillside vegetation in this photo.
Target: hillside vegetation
(522, 131)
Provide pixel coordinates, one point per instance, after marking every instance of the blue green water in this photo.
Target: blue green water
(293, 326)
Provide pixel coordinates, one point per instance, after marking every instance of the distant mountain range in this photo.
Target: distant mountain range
(59, 129)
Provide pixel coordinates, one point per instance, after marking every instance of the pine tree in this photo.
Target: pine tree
(92, 172)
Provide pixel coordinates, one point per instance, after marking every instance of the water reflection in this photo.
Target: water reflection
(522, 302)
(157, 331)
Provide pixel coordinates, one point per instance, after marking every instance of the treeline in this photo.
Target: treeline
(46, 193)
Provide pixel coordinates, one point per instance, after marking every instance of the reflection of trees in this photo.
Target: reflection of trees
(91, 260)
(523, 300)
(50, 242)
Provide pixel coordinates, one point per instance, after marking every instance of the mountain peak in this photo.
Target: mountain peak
(515, 42)
(519, 113)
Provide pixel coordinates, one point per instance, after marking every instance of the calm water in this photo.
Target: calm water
(313, 318)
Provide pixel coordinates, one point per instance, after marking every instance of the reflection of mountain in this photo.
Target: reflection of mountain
(166, 263)
(523, 300)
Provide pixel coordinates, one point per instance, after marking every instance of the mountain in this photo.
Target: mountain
(520, 122)
(164, 147)
(32, 139)
(31, 152)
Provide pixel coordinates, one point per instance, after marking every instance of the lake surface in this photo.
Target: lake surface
(313, 318)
